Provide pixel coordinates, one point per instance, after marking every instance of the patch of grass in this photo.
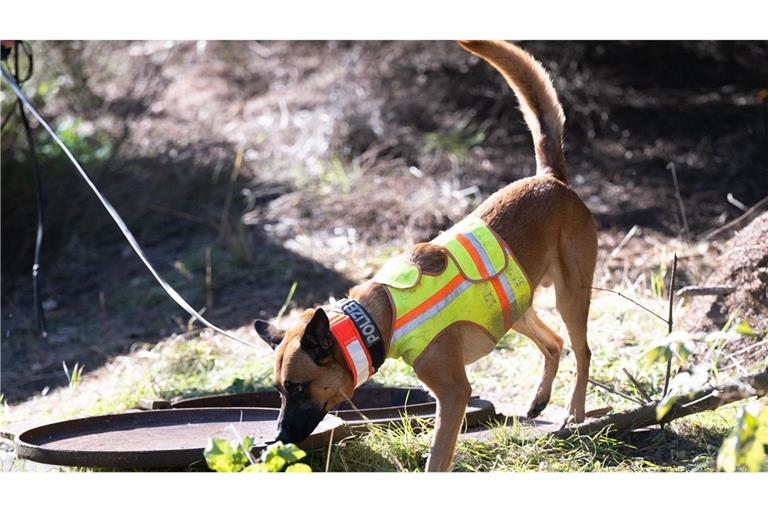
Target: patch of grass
(521, 450)
(402, 447)
(183, 366)
(73, 375)
(197, 367)
(456, 142)
(505, 447)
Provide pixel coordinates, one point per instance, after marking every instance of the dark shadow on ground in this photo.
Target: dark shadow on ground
(100, 299)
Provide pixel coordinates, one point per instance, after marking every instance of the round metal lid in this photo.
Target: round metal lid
(171, 438)
(378, 405)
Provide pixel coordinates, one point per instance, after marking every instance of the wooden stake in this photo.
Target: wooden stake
(670, 322)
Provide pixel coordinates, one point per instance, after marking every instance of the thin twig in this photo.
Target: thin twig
(330, 448)
(630, 300)
(762, 247)
(624, 241)
(225, 229)
(692, 291)
(208, 278)
(615, 391)
(735, 202)
(671, 167)
(736, 220)
(248, 453)
(604, 263)
(670, 322)
(288, 299)
(750, 348)
(637, 385)
(699, 400)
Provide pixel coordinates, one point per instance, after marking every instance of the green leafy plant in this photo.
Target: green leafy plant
(742, 327)
(745, 447)
(73, 376)
(88, 145)
(657, 282)
(279, 457)
(682, 384)
(678, 345)
(233, 456)
(224, 456)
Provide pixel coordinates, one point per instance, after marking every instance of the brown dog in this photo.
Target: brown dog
(554, 239)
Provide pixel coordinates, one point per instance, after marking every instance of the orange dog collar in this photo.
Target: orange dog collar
(356, 355)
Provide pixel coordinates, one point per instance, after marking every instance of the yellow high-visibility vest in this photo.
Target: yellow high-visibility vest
(481, 283)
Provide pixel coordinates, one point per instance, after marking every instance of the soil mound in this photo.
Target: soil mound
(743, 264)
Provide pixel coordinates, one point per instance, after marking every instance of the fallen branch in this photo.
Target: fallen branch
(705, 400)
(691, 291)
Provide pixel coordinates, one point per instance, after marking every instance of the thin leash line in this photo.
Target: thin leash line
(37, 274)
(172, 293)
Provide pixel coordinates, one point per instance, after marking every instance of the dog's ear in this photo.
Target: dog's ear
(269, 333)
(316, 339)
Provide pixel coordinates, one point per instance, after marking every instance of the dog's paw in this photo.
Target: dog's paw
(569, 421)
(535, 409)
(572, 420)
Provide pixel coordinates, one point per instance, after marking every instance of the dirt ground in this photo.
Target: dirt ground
(743, 266)
(350, 152)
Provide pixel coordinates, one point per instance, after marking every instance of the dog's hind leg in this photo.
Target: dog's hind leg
(441, 368)
(573, 281)
(551, 346)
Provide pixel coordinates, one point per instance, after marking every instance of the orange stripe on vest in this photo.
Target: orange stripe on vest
(497, 287)
(445, 290)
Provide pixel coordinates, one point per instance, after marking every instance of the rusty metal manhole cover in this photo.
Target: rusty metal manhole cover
(173, 438)
(377, 405)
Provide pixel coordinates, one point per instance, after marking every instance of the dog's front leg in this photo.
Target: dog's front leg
(441, 369)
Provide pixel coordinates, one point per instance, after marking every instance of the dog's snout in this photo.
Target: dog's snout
(297, 420)
(284, 436)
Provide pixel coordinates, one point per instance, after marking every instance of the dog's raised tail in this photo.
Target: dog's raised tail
(537, 98)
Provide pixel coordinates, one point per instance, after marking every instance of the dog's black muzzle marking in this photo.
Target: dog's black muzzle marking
(298, 418)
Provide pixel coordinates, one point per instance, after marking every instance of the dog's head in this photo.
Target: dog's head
(310, 373)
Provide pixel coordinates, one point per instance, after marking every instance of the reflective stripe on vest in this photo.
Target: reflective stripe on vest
(481, 283)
